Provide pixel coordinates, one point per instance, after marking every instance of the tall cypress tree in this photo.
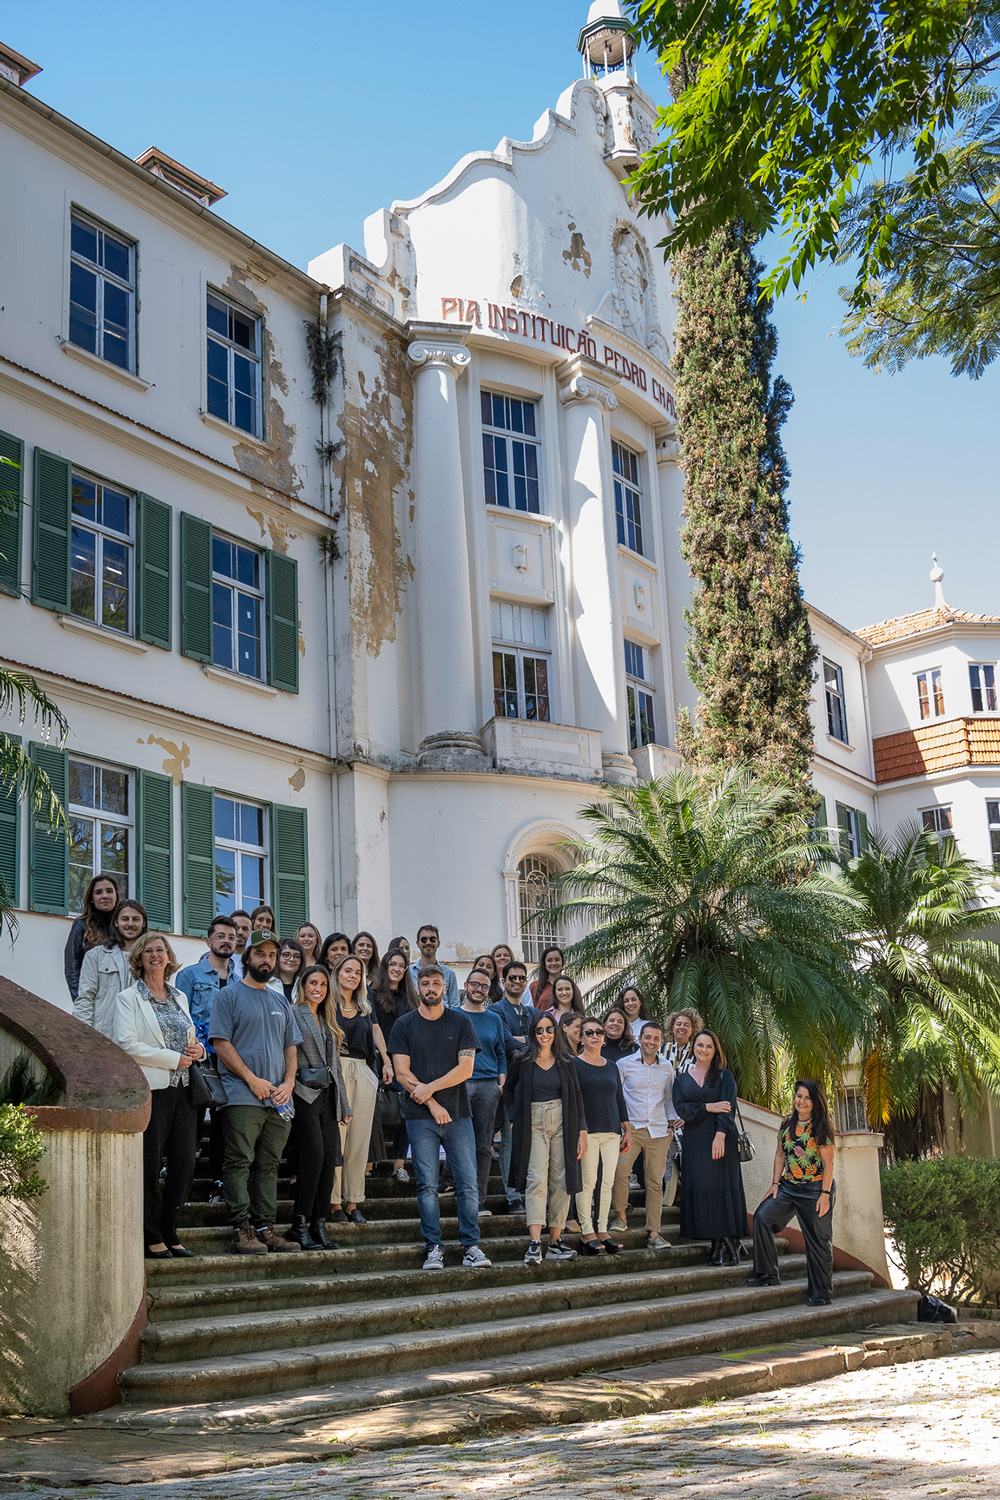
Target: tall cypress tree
(750, 651)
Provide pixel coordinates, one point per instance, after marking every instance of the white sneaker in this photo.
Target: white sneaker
(435, 1258)
(533, 1254)
(558, 1251)
(486, 1213)
(474, 1259)
(401, 1175)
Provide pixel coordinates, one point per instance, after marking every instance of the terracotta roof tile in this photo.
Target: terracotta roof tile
(937, 747)
(903, 626)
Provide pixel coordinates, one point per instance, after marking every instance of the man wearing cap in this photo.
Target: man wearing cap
(255, 1037)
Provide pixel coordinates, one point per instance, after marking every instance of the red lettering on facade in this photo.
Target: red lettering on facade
(448, 305)
(472, 314)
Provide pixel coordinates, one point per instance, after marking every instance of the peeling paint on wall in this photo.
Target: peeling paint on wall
(302, 641)
(577, 256)
(274, 527)
(298, 780)
(178, 757)
(377, 426)
(270, 466)
(516, 288)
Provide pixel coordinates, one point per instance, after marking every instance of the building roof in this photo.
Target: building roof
(944, 746)
(904, 626)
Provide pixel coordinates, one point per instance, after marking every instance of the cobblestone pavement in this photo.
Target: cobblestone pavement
(930, 1428)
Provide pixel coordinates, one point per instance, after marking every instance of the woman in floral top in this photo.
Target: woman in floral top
(802, 1188)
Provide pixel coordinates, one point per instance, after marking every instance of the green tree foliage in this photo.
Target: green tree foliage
(941, 293)
(855, 128)
(695, 892)
(944, 1219)
(21, 1147)
(933, 980)
(750, 650)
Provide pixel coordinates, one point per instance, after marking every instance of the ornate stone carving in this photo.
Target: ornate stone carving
(631, 282)
(578, 388)
(454, 357)
(668, 448)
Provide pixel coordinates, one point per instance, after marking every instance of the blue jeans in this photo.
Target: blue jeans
(459, 1141)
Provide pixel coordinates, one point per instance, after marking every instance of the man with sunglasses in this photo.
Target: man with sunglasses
(516, 1018)
(488, 1073)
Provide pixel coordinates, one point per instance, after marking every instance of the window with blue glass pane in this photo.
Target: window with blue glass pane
(240, 855)
(101, 553)
(639, 696)
(233, 366)
(237, 608)
(510, 452)
(102, 292)
(628, 497)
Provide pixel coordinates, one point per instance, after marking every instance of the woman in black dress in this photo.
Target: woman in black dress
(713, 1206)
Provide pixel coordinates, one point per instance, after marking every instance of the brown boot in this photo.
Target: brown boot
(245, 1242)
(275, 1241)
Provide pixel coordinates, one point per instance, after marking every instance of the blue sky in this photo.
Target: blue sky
(312, 119)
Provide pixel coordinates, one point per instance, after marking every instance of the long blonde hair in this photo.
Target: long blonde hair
(361, 993)
(327, 1006)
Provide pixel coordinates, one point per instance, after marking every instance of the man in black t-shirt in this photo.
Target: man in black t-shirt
(433, 1051)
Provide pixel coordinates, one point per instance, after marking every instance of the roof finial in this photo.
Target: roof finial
(606, 41)
(937, 575)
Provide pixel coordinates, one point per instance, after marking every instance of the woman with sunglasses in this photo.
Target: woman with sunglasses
(608, 1133)
(542, 1093)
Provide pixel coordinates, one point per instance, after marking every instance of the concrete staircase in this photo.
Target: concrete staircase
(236, 1341)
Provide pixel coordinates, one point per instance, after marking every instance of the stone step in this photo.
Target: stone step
(203, 1296)
(266, 1371)
(209, 1239)
(325, 1380)
(376, 1210)
(472, 1301)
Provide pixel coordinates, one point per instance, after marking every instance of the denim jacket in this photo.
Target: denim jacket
(200, 983)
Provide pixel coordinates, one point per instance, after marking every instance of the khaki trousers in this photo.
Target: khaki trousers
(605, 1149)
(547, 1168)
(654, 1160)
(362, 1091)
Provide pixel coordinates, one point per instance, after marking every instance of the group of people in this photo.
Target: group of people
(324, 1054)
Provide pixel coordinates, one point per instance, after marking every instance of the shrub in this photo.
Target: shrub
(944, 1217)
(21, 1146)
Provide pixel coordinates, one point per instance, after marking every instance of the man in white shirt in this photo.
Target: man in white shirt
(648, 1084)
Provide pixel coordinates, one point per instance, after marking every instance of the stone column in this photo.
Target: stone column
(447, 711)
(599, 653)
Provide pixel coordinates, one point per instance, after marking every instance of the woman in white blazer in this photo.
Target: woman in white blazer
(104, 972)
(153, 1024)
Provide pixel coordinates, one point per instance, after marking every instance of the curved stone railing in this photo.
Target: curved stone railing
(858, 1228)
(72, 1281)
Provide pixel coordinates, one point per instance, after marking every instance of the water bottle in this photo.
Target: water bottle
(283, 1111)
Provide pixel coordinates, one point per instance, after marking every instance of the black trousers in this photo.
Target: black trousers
(172, 1132)
(796, 1201)
(316, 1133)
(211, 1126)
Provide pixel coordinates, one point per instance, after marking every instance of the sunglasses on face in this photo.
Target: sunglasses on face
(593, 1033)
(545, 1031)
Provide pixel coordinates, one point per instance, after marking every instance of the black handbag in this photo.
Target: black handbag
(313, 1078)
(389, 1107)
(745, 1148)
(207, 1088)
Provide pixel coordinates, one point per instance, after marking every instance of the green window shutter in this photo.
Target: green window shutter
(50, 532)
(282, 622)
(12, 483)
(844, 824)
(862, 832)
(196, 589)
(153, 572)
(197, 857)
(154, 840)
(10, 843)
(819, 823)
(48, 855)
(289, 868)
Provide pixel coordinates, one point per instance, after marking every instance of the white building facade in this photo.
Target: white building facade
(364, 657)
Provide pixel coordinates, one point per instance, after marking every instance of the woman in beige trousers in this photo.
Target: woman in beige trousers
(362, 1054)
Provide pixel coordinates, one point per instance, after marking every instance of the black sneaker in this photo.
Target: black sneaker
(757, 1279)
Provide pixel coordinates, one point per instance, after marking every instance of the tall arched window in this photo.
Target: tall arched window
(535, 893)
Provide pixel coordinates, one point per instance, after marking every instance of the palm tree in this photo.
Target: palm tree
(708, 894)
(18, 773)
(934, 979)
